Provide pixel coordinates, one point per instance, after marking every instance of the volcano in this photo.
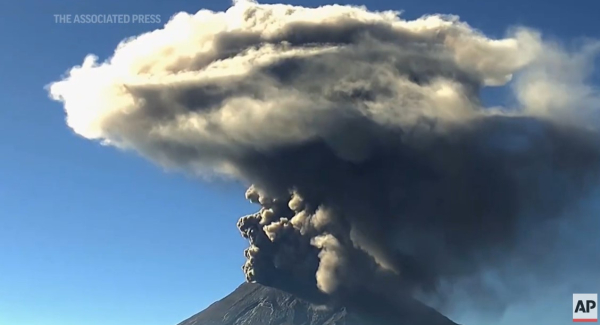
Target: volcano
(257, 304)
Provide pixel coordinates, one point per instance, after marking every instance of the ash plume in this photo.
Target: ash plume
(375, 164)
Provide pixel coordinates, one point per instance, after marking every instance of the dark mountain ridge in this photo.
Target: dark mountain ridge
(257, 304)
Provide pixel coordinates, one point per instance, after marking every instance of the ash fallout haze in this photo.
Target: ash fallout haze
(369, 146)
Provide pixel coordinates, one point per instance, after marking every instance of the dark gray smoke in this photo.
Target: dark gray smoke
(375, 164)
(424, 207)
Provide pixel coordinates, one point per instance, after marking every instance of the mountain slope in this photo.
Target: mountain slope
(256, 304)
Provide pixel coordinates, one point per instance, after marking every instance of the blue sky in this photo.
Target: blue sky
(93, 236)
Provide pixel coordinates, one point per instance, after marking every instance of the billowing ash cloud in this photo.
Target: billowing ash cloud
(375, 165)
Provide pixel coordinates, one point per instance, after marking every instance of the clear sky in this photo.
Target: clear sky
(93, 236)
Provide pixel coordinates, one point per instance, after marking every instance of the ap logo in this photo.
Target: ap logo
(585, 307)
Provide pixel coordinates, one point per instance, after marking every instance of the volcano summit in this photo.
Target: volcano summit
(256, 304)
